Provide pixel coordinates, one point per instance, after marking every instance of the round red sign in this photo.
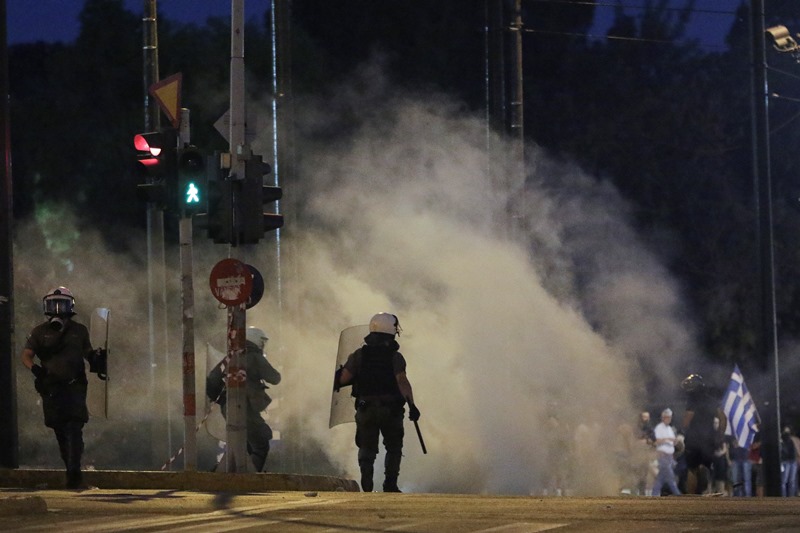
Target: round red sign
(231, 282)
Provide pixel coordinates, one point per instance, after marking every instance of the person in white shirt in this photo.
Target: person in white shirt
(665, 448)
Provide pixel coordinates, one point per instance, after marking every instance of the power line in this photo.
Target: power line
(636, 7)
(618, 37)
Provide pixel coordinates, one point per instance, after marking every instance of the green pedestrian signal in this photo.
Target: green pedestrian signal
(191, 180)
(191, 194)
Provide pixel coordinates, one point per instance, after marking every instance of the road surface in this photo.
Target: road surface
(113, 510)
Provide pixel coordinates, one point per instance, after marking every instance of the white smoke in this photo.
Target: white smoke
(528, 311)
(522, 349)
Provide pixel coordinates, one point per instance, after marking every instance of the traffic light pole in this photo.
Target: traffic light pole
(156, 261)
(187, 302)
(237, 459)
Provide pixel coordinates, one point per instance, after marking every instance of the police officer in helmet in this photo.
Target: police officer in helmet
(701, 437)
(377, 372)
(61, 344)
(260, 374)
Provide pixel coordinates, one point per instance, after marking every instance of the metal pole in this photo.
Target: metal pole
(517, 115)
(236, 416)
(516, 109)
(187, 305)
(156, 256)
(9, 432)
(770, 396)
(282, 145)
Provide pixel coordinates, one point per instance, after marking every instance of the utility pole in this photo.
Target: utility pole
(236, 456)
(9, 432)
(504, 96)
(187, 308)
(283, 155)
(770, 396)
(158, 345)
(517, 114)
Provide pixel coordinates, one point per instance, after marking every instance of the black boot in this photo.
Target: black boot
(390, 484)
(74, 450)
(74, 479)
(391, 469)
(258, 462)
(366, 478)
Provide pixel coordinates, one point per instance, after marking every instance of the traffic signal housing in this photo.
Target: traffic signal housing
(254, 222)
(218, 217)
(192, 181)
(156, 166)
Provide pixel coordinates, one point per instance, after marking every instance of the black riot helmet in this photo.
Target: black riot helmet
(693, 383)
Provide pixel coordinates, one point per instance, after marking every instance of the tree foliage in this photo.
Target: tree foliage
(666, 120)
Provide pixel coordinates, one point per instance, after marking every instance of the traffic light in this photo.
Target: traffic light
(218, 218)
(254, 222)
(155, 162)
(191, 181)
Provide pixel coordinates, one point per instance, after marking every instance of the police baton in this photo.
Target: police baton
(419, 434)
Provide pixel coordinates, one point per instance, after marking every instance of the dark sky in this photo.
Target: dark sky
(710, 23)
(57, 20)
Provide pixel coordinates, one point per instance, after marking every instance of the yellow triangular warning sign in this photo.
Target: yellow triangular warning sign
(167, 93)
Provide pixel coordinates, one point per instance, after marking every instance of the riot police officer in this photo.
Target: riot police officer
(61, 344)
(701, 436)
(377, 372)
(260, 373)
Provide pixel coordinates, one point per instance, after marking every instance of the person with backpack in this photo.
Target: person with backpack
(377, 373)
(259, 373)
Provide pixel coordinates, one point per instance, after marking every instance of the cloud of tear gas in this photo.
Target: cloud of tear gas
(525, 341)
(523, 346)
(141, 393)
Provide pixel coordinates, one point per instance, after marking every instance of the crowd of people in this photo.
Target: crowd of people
(662, 459)
(697, 456)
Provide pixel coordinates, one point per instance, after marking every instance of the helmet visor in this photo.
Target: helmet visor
(58, 305)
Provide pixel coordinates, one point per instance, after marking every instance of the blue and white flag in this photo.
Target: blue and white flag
(741, 411)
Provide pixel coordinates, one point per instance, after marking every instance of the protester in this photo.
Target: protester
(788, 464)
(665, 439)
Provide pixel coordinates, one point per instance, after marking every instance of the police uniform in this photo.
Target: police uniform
(259, 370)
(379, 406)
(63, 387)
(701, 438)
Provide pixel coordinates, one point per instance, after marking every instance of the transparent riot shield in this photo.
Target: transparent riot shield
(342, 407)
(215, 424)
(97, 389)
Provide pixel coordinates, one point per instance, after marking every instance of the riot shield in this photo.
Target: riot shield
(215, 423)
(342, 409)
(97, 389)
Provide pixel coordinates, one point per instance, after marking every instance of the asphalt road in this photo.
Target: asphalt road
(102, 510)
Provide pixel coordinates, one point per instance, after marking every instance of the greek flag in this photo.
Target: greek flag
(741, 411)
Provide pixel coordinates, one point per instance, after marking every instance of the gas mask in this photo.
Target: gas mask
(57, 322)
(58, 306)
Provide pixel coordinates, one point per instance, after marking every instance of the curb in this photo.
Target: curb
(206, 481)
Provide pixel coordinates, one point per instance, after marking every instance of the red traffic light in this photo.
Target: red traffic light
(155, 151)
(141, 143)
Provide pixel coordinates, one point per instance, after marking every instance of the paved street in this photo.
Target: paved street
(103, 510)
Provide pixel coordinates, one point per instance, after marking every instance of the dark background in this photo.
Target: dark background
(659, 108)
